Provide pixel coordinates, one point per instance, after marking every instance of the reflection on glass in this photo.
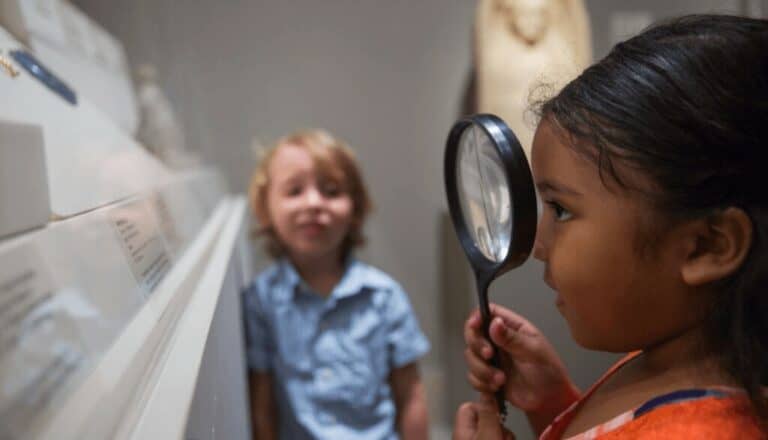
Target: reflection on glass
(483, 194)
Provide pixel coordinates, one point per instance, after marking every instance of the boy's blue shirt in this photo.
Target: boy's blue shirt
(330, 358)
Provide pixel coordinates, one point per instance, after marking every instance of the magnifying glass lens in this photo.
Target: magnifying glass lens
(484, 193)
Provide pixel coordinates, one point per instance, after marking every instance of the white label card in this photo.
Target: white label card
(165, 219)
(142, 243)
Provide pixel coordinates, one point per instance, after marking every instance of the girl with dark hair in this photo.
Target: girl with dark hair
(651, 165)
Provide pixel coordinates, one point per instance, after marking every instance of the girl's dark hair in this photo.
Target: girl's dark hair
(686, 102)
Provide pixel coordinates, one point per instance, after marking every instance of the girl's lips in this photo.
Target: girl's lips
(548, 281)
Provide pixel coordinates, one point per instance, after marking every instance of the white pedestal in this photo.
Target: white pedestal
(24, 202)
(91, 162)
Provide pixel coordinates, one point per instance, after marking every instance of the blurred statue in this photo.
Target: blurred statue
(524, 43)
(159, 129)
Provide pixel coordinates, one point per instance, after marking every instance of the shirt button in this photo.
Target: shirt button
(325, 374)
(326, 418)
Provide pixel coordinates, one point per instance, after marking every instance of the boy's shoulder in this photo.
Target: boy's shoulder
(277, 280)
(374, 276)
(265, 281)
(270, 274)
(380, 281)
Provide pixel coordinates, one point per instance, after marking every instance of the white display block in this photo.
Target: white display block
(143, 385)
(120, 279)
(180, 213)
(109, 90)
(38, 18)
(24, 201)
(90, 161)
(80, 51)
(85, 315)
(163, 413)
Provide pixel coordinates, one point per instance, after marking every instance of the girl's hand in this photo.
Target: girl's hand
(532, 374)
(480, 421)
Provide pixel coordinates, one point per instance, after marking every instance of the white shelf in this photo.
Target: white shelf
(113, 343)
(91, 162)
(84, 54)
(114, 308)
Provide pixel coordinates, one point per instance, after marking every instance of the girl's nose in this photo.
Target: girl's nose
(540, 243)
(538, 251)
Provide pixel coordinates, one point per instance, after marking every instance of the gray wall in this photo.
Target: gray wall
(386, 76)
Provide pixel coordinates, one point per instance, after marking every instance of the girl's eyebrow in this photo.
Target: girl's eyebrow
(556, 187)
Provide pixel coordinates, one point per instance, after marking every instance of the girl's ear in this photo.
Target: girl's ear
(716, 246)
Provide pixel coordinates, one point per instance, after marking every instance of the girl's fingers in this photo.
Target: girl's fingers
(476, 342)
(488, 421)
(479, 385)
(465, 424)
(479, 421)
(482, 370)
(475, 320)
(511, 318)
(520, 343)
(515, 324)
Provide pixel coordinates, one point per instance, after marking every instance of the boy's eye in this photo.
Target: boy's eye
(330, 189)
(293, 190)
(561, 214)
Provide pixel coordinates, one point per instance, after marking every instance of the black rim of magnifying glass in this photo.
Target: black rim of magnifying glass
(524, 213)
(517, 174)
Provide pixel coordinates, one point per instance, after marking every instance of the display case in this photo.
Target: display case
(84, 54)
(119, 284)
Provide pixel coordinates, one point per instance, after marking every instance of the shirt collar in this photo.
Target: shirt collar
(292, 277)
(352, 282)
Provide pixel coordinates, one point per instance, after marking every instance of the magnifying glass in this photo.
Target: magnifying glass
(492, 202)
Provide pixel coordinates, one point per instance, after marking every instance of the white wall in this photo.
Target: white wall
(387, 76)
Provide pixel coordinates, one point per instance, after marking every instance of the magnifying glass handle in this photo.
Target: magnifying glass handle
(500, 399)
(485, 313)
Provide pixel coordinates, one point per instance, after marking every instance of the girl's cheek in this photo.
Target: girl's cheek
(545, 233)
(562, 255)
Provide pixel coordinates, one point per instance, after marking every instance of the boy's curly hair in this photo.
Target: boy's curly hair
(333, 159)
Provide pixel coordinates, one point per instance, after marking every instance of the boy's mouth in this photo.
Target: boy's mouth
(312, 228)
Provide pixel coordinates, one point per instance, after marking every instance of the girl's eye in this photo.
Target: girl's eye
(561, 214)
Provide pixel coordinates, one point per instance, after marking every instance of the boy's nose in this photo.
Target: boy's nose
(314, 197)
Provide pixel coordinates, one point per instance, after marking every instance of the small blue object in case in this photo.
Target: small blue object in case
(33, 66)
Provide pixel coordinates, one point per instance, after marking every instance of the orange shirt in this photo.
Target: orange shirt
(708, 413)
